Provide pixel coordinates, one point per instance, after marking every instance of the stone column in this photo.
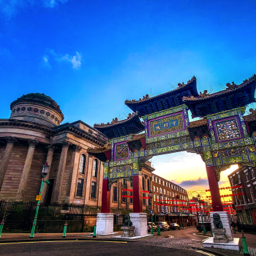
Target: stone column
(214, 187)
(119, 194)
(49, 161)
(61, 170)
(137, 193)
(6, 158)
(128, 193)
(105, 205)
(26, 169)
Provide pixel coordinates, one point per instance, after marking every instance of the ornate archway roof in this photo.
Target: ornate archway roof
(233, 96)
(148, 105)
(116, 128)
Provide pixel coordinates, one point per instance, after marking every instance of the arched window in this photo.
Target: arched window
(82, 164)
(95, 168)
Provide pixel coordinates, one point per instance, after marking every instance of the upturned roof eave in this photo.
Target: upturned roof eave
(242, 86)
(132, 104)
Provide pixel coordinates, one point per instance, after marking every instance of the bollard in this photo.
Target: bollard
(158, 231)
(94, 231)
(65, 230)
(246, 252)
(211, 232)
(1, 228)
(204, 230)
(152, 230)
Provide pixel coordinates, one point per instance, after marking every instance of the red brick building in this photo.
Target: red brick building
(245, 204)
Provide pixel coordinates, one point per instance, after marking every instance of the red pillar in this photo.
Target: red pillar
(105, 206)
(137, 193)
(214, 187)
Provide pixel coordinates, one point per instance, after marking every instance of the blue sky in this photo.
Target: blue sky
(90, 56)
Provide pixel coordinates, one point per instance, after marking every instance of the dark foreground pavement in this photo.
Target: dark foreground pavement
(88, 248)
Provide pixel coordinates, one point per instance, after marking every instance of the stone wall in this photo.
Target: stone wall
(14, 171)
(35, 174)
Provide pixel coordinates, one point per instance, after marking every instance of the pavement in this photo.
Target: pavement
(88, 248)
(187, 240)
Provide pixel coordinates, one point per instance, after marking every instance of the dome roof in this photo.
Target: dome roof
(38, 108)
(38, 98)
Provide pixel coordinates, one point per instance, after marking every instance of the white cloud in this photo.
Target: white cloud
(46, 61)
(10, 7)
(75, 60)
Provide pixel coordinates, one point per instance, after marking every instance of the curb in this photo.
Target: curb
(65, 239)
(209, 251)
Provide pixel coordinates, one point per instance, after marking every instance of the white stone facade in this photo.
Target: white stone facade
(139, 220)
(105, 224)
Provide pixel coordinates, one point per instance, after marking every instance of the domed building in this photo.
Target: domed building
(33, 135)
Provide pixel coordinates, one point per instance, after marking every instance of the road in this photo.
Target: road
(88, 248)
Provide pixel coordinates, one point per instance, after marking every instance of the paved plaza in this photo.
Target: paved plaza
(176, 242)
(88, 248)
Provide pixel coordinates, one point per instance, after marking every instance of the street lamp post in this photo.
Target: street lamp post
(150, 194)
(181, 212)
(201, 213)
(44, 173)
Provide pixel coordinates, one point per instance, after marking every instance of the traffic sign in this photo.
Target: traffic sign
(38, 197)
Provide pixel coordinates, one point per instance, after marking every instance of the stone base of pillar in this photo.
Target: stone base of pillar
(105, 224)
(139, 221)
(225, 222)
(232, 243)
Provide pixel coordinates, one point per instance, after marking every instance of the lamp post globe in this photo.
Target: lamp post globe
(45, 169)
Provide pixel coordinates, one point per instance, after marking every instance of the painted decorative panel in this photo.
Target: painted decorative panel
(166, 124)
(227, 129)
(121, 151)
(120, 171)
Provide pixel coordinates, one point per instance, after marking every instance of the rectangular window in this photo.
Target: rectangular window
(93, 191)
(144, 200)
(251, 192)
(131, 201)
(131, 184)
(247, 176)
(80, 186)
(239, 178)
(114, 194)
(124, 193)
(244, 201)
(153, 178)
(154, 189)
(252, 172)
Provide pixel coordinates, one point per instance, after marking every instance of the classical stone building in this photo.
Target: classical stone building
(33, 135)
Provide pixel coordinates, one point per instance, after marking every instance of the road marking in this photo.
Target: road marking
(199, 235)
(66, 241)
(205, 253)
